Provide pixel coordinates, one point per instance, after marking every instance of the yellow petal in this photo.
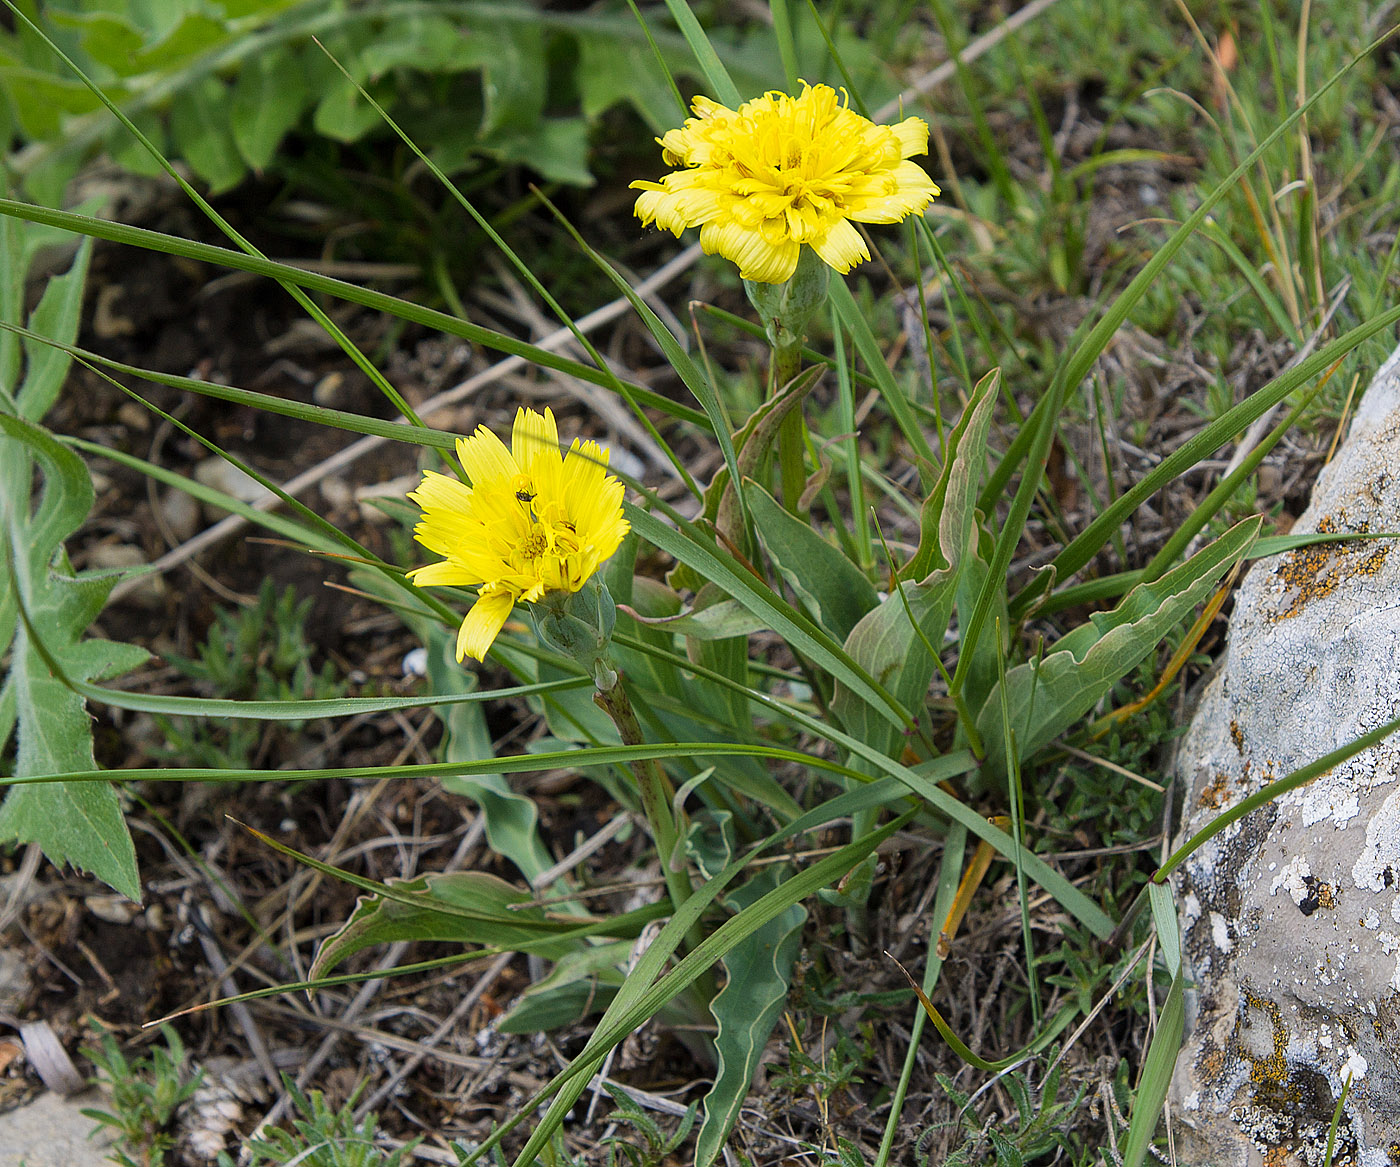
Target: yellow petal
(448, 573)
(758, 259)
(913, 137)
(841, 247)
(440, 490)
(534, 436)
(483, 623)
(485, 458)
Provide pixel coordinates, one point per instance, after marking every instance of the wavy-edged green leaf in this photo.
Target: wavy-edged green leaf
(794, 627)
(834, 591)
(891, 648)
(1045, 698)
(645, 991)
(759, 970)
(53, 324)
(482, 914)
(79, 823)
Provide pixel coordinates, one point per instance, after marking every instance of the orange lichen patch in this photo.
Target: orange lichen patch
(1317, 570)
(1211, 1065)
(1214, 794)
(1237, 736)
(1270, 1070)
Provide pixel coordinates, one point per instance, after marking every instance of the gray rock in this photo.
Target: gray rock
(52, 1131)
(1291, 917)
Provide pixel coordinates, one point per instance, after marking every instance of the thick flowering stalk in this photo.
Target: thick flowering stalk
(534, 522)
(782, 172)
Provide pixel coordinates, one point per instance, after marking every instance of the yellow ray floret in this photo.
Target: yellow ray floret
(533, 520)
(780, 172)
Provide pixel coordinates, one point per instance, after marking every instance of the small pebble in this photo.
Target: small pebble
(181, 513)
(415, 663)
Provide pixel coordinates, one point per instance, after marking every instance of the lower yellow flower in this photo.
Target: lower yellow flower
(780, 172)
(533, 520)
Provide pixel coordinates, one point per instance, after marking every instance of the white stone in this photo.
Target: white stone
(1287, 915)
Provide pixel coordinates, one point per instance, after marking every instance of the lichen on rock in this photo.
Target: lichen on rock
(1291, 917)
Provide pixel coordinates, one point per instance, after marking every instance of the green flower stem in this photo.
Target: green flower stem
(792, 433)
(656, 790)
(784, 310)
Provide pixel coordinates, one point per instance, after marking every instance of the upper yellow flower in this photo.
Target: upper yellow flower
(783, 171)
(532, 521)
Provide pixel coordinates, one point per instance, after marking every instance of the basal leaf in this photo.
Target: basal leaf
(481, 913)
(834, 591)
(759, 970)
(1046, 698)
(268, 98)
(885, 642)
(73, 822)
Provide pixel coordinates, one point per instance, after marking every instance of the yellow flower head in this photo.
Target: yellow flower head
(533, 520)
(782, 171)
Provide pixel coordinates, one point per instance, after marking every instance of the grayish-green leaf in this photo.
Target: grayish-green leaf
(1045, 699)
(759, 970)
(834, 591)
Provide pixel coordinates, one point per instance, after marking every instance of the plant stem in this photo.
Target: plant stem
(655, 789)
(792, 436)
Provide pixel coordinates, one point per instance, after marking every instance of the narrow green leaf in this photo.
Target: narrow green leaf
(893, 396)
(1157, 1067)
(721, 84)
(311, 281)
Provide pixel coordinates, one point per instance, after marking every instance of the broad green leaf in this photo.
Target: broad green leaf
(583, 981)
(268, 97)
(885, 643)
(512, 61)
(561, 1005)
(611, 70)
(482, 913)
(834, 591)
(421, 41)
(192, 35)
(109, 39)
(1045, 699)
(556, 147)
(79, 823)
(199, 124)
(792, 625)
(759, 970)
(41, 100)
(57, 317)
